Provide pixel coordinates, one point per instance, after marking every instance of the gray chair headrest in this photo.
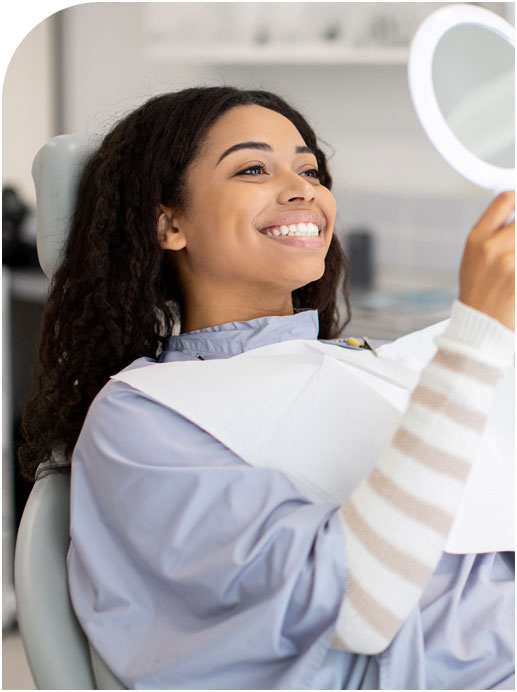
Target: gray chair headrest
(56, 171)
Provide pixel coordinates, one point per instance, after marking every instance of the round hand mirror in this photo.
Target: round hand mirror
(462, 81)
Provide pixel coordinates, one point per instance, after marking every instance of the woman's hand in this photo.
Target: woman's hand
(487, 271)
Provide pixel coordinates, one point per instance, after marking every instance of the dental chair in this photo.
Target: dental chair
(59, 654)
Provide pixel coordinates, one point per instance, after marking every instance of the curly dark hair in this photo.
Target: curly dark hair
(114, 297)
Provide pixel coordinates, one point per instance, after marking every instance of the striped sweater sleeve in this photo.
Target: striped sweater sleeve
(396, 522)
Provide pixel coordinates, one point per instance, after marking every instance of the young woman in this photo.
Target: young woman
(204, 229)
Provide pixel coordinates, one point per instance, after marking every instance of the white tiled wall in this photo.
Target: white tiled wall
(412, 232)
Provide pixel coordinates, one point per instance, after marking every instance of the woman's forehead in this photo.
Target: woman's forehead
(251, 123)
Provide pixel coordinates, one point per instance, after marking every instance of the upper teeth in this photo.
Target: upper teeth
(299, 229)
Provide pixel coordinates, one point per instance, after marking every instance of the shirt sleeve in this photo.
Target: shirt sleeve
(397, 521)
(190, 569)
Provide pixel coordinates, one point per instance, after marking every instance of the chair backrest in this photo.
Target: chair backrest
(59, 655)
(56, 647)
(56, 171)
(58, 652)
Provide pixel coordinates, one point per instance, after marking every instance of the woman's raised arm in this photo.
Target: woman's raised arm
(397, 520)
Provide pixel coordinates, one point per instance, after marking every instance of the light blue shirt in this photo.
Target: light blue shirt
(191, 569)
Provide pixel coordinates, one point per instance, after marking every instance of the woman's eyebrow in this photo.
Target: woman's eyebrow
(263, 146)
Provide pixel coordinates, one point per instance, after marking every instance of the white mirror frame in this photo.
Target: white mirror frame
(420, 74)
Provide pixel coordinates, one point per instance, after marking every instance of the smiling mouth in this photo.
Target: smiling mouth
(296, 235)
(293, 230)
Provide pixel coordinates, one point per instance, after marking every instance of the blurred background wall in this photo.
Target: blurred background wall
(403, 212)
(342, 64)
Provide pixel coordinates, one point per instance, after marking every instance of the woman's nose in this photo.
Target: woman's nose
(295, 187)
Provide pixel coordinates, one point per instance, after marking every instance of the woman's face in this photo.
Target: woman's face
(250, 190)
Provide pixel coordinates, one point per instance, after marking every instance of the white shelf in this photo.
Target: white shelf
(271, 54)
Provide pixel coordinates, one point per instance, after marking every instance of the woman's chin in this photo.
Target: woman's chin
(308, 277)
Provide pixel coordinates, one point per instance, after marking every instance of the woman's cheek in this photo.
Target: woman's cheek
(330, 205)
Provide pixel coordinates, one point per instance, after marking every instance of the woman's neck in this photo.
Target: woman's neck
(199, 314)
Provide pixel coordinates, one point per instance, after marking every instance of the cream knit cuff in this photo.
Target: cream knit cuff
(482, 336)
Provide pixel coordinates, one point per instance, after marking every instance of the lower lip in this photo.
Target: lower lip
(314, 242)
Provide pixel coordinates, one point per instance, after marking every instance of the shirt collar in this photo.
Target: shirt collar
(232, 338)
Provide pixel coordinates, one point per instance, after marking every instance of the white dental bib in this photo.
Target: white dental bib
(322, 414)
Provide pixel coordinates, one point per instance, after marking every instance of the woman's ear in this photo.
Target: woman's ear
(170, 235)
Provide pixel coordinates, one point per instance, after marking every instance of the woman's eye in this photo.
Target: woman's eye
(312, 173)
(260, 169)
(256, 169)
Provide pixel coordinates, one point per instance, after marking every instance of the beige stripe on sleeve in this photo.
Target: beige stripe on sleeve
(429, 455)
(444, 405)
(423, 512)
(376, 615)
(403, 564)
(486, 374)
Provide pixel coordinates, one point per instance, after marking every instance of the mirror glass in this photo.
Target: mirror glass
(473, 72)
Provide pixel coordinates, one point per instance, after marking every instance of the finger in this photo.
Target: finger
(498, 244)
(507, 236)
(496, 214)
